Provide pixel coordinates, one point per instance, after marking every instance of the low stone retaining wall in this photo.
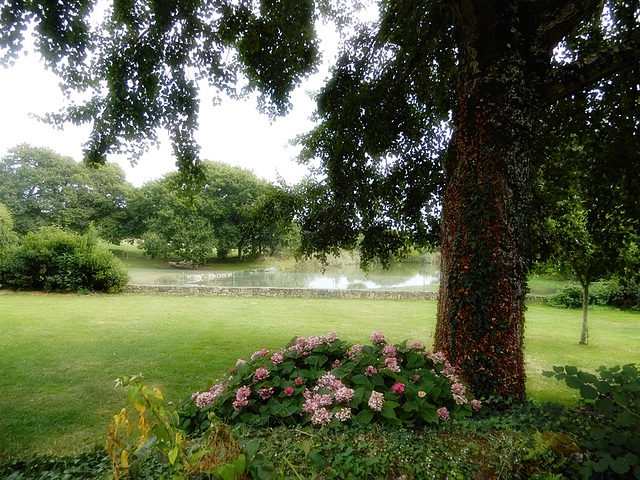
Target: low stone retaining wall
(199, 290)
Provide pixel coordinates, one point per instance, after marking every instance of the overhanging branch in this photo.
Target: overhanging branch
(574, 77)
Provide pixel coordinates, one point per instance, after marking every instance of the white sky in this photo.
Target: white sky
(233, 132)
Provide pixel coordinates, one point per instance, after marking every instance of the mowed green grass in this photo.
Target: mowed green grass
(60, 354)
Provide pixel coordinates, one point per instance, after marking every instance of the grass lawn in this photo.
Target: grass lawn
(60, 354)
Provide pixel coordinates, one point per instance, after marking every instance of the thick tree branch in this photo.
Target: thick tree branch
(571, 78)
(559, 18)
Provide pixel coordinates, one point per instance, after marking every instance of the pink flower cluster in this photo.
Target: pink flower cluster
(377, 338)
(328, 390)
(265, 392)
(353, 351)
(398, 388)
(277, 358)
(260, 374)
(370, 370)
(375, 401)
(458, 390)
(443, 413)
(203, 399)
(389, 350)
(392, 364)
(242, 397)
(304, 346)
(260, 353)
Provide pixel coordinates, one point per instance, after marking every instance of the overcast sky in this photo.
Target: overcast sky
(233, 132)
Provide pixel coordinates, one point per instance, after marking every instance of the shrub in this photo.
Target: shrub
(54, 260)
(325, 381)
(613, 397)
(610, 292)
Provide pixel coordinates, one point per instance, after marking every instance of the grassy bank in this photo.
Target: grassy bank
(60, 354)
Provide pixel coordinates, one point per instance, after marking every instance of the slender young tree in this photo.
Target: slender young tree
(484, 69)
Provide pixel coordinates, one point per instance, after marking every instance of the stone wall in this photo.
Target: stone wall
(200, 290)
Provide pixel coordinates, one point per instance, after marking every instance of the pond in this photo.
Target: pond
(416, 277)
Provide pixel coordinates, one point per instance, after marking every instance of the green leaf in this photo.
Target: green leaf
(361, 380)
(574, 382)
(618, 438)
(597, 433)
(604, 405)
(587, 377)
(388, 411)
(571, 370)
(620, 397)
(317, 461)
(626, 419)
(619, 466)
(251, 447)
(173, 454)
(364, 417)
(410, 406)
(588, 392)
(316, 360)
(239, 465)
(305, 447)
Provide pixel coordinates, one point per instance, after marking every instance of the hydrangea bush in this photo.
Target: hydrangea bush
(326, 381)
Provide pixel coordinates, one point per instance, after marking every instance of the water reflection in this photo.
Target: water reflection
(420, 277)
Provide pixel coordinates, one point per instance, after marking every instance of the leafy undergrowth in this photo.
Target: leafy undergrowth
(525, 442)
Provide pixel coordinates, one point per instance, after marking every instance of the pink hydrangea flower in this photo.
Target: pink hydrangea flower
(415, 378)
(277, 358)
(330, 337)
(288, 391)
(443, 413)
(344, 394)
(260, 353)
(389, 350)
(476, 404)
(265, 392)
(377, 338)
(261, 374)
(240, 362)
(458, 389)
(204, 399)
(416, 346)
(370, 370)
(392, 364)
(355, 350)
(321, 416)
(299, 381)
(242, 396)
(344, 414)
(438, 358)
(375, 401)
(398, 388)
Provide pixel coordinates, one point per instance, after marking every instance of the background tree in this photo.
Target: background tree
(485, 69)
(41, 188)
(586, 247)
(221, 215)
(7, 235)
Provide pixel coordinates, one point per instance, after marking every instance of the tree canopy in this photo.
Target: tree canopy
(41, 188)
(226, 212)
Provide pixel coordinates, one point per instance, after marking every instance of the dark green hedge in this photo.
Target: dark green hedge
(57, 261)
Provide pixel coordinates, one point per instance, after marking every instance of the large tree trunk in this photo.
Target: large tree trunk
(483, 278)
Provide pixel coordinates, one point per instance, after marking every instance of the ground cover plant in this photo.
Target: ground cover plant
(59, 395)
